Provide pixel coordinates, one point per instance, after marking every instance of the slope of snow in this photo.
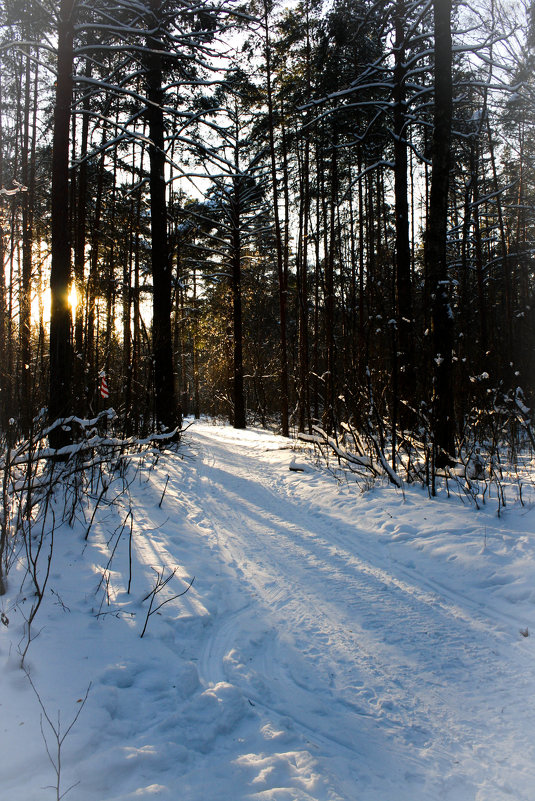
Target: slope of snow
(336, 645)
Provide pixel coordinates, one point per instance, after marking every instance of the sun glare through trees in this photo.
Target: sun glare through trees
(314, 216)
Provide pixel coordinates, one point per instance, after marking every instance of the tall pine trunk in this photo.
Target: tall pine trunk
(60, 387)
(26, 382)
(166, 410)
(436, 240)
(281, 261)
(79, 252)
(239, 419)
(405, 351)
(329, 413)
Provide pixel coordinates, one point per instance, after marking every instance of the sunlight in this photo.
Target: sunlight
(40, 309)
(73, 298)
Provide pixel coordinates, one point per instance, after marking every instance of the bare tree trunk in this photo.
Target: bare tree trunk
(136, 343)
(283, 278)
(361, 361)
(60, 388)
(3, 296)
(239, 420)
(302, 260)
(436, 239)
(329, 407)
(302, 292)
(79, 252)
(166, 409)
(90, 340)
(195, 348)
(403, 288)
(3, 313)
(507, 283)
(111, 291)
(26, 382)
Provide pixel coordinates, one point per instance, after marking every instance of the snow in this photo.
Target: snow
(336, 644)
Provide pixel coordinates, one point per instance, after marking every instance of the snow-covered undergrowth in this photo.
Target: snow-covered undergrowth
(335, 645)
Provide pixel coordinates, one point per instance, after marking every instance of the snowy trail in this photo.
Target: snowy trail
(336, 645)
(348, 648)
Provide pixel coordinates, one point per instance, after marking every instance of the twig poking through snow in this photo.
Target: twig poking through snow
(58, 737)
(163, 493)
(158, 587)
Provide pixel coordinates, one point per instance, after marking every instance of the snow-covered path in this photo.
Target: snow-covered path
(336, 645)
(411, 688)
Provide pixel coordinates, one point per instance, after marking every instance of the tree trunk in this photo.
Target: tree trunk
(79, 252)
(60, 387)
(303, 419)
(195, 348)
(239, 420)
(26, 383)
(436, 239)
(404, 353)
(3, 294)
(283, 278)
(507, 345)
(3, 312)
(329, 407)
(166, 411)
(90, 342)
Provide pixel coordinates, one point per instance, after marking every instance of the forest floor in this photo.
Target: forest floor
(337, 644)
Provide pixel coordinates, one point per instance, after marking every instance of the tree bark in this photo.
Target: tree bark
(405, 353)
(25, 392)
(60, 386)
(436, 239)
(4, 394)
(166, 410)
(283, 278)
(79, 253)
(239, 420)
(329, 405)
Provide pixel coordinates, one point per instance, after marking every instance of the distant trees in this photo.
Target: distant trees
(336, 230)
(235, 214)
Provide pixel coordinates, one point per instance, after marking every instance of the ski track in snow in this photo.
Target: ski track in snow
(348, 647)
(329, 650)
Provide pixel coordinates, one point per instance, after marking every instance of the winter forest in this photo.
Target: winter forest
(318, 215)
(267, 379)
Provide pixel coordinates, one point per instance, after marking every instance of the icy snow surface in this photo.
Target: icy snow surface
(336, 645)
